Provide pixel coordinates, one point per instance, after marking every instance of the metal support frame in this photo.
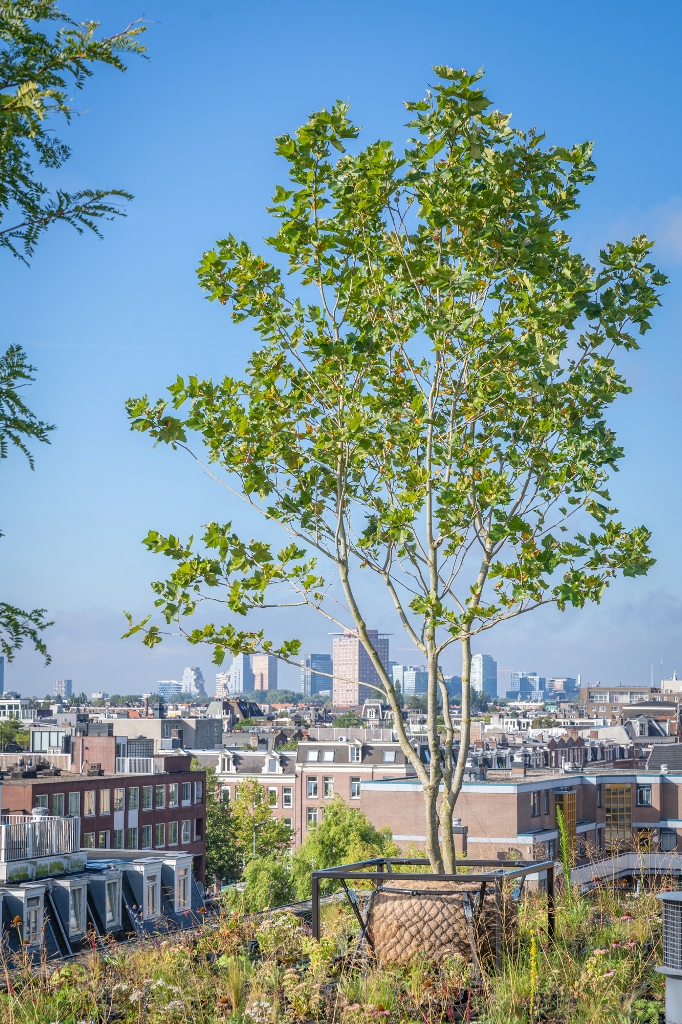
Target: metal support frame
(381, 869)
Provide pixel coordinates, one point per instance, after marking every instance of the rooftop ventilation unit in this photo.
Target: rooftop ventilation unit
(672, 955)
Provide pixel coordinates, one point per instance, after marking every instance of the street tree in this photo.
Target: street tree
(44, 56)
(427, 403)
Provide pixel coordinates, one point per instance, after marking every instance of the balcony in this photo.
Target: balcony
(138, 766)
(23, 837)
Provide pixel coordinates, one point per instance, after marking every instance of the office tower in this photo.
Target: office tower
(63, 688)
(241, 674)
(413, 681)
(99, 695)
(528, 686)
(264, 667)
(222, 685)
(484, 674)
(454, 686)
(316, 675)
(563, 686)
(353, 667)
(193, 682)
(169, 689)
(2, 674)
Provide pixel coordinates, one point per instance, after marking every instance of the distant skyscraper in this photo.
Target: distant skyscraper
(169, 689)
(222, 685)
(316, 674)
(63, 688)
(264, 668)
(2, 674)
(563, 686)
(413, 681)
(527, 686)
(484, 674)
(193, 682)
(241, 674)
(353, 667)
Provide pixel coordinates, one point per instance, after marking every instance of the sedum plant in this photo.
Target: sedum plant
(426, 404)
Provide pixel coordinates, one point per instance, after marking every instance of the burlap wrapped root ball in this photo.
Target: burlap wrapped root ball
(403, 926)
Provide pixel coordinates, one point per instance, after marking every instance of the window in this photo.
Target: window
(146, 837)
(147, 792)
(313, 755)
(198, 829)
(224, 794)
(601, 709)
(74, 805)
(88, 802)
(618, 817)
(119, 799)
(614, 707)
(132, 838)
(76, 908)
(172, 833)
(185, 834)
(312, 786)
(355, 789)
(355, 754)
(287, 796)
(58, 805)
(113, 902)
(182, 889)
(389, 756)
(89, 841)
(644, 796)
(32, 920)
(41, 800)
(668, 840)
(534, 804)
(104, 840)
(328, 787)
(105, 801)
(133, 798)
(173, 798)
(550, 846)
(198, 792)
(546, 803)
(151, 897)
(186, 792)
(272, 796)
(312, 816)
(118, 838)
(160, 835)
(328, 755)
(160, 800)
(287, 821)
(599, 794)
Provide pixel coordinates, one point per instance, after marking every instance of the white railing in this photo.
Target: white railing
(137, 766)
(23, 837)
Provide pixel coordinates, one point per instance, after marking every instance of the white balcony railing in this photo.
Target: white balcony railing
(23, 837)
(137, 766)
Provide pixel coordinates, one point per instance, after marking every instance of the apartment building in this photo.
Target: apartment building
(164, 810)
(600, 700)
(276, 771)
(353, 667)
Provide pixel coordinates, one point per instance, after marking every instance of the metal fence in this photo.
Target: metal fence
(23, 837)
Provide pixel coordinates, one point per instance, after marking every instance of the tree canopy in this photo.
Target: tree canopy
(426, 405)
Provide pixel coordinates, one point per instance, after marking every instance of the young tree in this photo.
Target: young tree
(432, 415)
(37, 71)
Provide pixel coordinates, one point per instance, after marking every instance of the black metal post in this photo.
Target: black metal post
(550, 902)
(316, 906)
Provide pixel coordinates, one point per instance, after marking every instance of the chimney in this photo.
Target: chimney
(518, 765)
(146, 706)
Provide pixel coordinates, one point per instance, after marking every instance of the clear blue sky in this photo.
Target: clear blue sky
(190, 133)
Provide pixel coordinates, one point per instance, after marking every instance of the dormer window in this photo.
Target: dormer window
(389, 756)
(327, 755)
(313, 755)
(355, 754)
(272, 765)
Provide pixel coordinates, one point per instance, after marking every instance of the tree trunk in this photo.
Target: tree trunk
(452, 780)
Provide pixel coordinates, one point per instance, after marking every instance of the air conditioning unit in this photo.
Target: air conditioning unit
(672, 955)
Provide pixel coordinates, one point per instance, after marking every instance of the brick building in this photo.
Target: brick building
(353, 667)
(163, 811)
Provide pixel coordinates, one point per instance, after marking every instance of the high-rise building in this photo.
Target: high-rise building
(353, 667)
(413, 681)
(316, 675)
(2, 674)
(193, 682)
(484, 674)
(241, 674)
(63, 688)
(563, 686)
(169, 689)
(222, 685)
(527, 686)
(264, 667)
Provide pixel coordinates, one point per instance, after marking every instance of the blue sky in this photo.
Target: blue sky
(190, 133)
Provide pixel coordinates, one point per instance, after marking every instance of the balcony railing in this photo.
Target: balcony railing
(137, 766)
(23, 837)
